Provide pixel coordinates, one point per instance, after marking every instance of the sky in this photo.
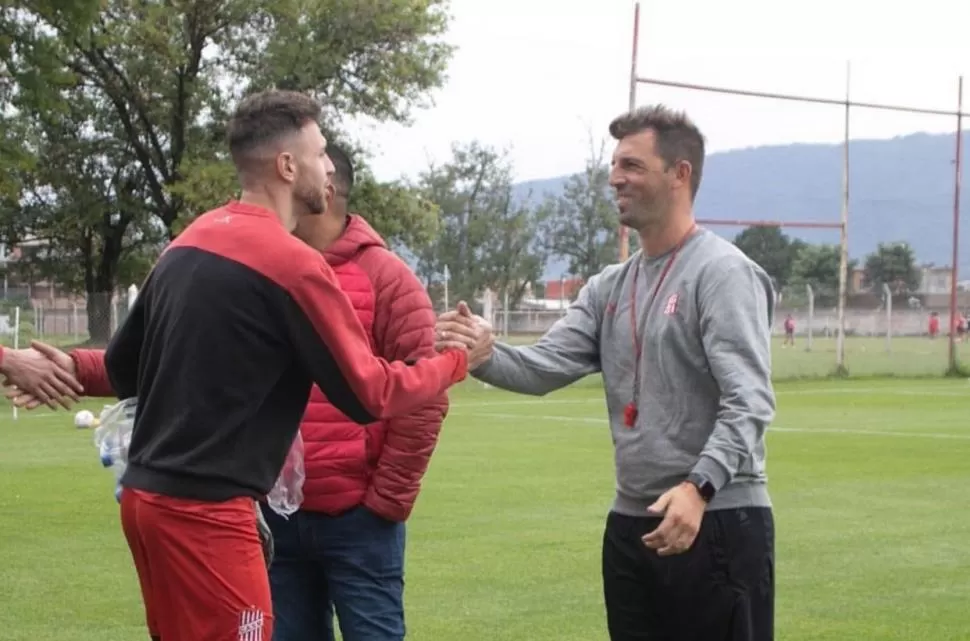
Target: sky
(539, 78)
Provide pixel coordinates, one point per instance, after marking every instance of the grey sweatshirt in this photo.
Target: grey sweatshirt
(705, 396)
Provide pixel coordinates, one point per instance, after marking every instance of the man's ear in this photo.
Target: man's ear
(286, 167)
(684, 170)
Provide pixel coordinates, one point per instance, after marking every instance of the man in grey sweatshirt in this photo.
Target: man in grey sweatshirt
(681, 335)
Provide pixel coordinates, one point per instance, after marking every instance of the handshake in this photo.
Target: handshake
(460, 329)
(44, 375)
(40, 375)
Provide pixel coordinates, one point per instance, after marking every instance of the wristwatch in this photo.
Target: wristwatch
(704, 487)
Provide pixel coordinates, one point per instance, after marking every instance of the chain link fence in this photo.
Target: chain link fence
(885, 335)
(62, 322)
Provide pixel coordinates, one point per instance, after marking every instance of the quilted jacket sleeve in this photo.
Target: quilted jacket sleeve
(91, 372)
(404, 322)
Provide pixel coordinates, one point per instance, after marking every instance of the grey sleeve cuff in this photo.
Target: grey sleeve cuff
(709, 469)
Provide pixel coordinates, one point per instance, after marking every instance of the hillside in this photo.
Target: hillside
(900, 189)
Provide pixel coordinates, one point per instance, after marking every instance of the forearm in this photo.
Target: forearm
(566, 353)
(91, 373)
(738, 433)
(737, 340)
(530, 370)
(409, 445)
(338, 355)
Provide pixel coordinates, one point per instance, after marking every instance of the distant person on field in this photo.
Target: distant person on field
(681, 333)
(934, 325)
(789, 331)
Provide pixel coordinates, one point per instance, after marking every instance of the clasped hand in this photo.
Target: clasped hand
(40, 375)
(460, 329)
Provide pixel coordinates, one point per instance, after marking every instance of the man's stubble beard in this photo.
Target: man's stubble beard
(651, 214)
(313, 200)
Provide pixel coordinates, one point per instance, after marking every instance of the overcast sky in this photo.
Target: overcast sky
(534, 76)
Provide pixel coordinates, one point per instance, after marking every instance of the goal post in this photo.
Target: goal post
(846, 104)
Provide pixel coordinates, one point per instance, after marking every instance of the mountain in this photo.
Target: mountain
(899, 189)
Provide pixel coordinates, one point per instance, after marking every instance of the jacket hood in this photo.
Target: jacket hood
(357, 237)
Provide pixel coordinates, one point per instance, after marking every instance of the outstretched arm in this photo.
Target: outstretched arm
(566, 353)
(336, 351)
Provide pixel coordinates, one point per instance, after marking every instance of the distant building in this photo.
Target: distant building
(565, 288)
(933, 279)
(857, 280)
(14, 286)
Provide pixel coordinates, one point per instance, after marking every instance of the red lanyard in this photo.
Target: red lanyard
(631, 412)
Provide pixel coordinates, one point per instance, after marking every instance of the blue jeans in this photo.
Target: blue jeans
(352, 564)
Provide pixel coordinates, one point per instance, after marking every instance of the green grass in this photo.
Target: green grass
(869, 480)
(903, 356)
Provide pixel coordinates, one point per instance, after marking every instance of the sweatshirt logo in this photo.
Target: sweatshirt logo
(671, 307)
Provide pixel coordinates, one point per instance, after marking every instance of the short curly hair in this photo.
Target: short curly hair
(343, 167)
(265, 117)
(677, 137)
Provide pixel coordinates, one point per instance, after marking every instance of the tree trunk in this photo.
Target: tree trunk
(100, 290)
(99, 318)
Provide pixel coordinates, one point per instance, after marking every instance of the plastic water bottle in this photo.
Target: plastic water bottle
(107, 452)
(113, 437)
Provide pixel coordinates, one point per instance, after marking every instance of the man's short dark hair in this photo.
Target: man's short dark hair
(264, 118)
(678, 138)
(343, 168)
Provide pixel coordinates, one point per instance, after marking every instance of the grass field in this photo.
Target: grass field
(868, 478)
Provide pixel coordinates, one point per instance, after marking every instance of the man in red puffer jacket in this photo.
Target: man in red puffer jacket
(344, 550)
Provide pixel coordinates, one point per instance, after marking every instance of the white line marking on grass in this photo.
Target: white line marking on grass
(530, 401)
(823, 430)
(900, 391)
(527, 417)
(34, 414)
(791, 430)
(821, 391)
(949, 391)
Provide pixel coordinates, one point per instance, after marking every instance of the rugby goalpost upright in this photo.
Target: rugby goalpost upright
(843, 224)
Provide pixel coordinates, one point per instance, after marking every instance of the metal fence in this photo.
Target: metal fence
(885, 340)
(62, 322)
(878, 342)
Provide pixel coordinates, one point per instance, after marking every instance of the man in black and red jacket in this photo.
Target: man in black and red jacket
(230, 330)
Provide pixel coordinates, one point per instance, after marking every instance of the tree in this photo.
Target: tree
(892, 264)
(80, 204)
(513, 257)
(772, 249)
(818, 266)
(582, 223)
(397, 210)
(485, 238)
(162, 77)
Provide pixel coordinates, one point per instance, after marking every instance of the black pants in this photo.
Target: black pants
(722, 589)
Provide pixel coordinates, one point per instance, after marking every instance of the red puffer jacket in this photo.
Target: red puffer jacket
(379, 465)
